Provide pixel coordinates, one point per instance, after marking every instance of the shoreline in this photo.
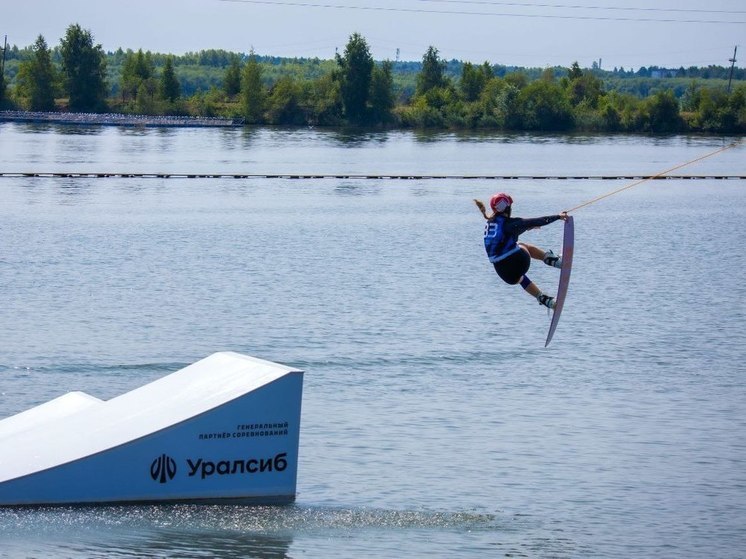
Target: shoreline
(118, 119)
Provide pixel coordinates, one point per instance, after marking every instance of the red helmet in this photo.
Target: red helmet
(500, 202)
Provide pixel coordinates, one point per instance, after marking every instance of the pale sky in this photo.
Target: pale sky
(620, 33)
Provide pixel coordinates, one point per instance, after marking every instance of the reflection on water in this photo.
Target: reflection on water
(215, 530)
(80, 130)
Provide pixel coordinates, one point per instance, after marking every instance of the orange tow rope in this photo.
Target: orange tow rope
(661, 174)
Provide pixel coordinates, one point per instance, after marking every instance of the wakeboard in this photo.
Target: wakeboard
(568, 244)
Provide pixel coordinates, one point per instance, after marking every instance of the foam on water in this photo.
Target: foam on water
(192, 531)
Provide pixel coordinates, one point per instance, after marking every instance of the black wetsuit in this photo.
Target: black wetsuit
(501, 243)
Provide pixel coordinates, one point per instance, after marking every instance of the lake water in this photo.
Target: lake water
(435, 423)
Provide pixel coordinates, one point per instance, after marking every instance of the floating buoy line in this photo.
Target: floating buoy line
(394, 176)
(352, 176)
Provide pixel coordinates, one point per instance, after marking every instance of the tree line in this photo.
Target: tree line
(353, 89)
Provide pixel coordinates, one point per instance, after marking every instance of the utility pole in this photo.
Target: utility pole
(5, 49)
(732, 64)
(2, 73)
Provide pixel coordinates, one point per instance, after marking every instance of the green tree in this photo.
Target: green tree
(356, 74)
(3, 91)
(705, 109)
(284, 103)
(138, 82)
(145, 102)
(382, 93)
(663, 112)
(473, 80)
(438, 107)
(127, 86)
(84, 66)
(519, 80)
(432, 74)
(575, 72)
(169, 87)
(205, 103)
(498, 105)
(37, 77)
(610, 112)
(583, 87)
(421, 114)
(587, 88)
(3, 87)
(544, 106)
(714, 110)
(326, 101)
(737, 104)
(232, 79)
(136, 69)
(692, 96)
(253, 94)
(509, 106)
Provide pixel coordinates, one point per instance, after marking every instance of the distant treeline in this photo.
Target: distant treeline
(353, 89)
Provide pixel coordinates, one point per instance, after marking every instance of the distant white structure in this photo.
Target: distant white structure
(224, 429)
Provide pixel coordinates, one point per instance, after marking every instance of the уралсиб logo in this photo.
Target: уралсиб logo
(163, 468)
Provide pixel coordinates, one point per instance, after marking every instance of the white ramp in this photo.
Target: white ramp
(223, 429)
(47, 414)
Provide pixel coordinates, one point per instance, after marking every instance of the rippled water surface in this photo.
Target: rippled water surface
(434, 421)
